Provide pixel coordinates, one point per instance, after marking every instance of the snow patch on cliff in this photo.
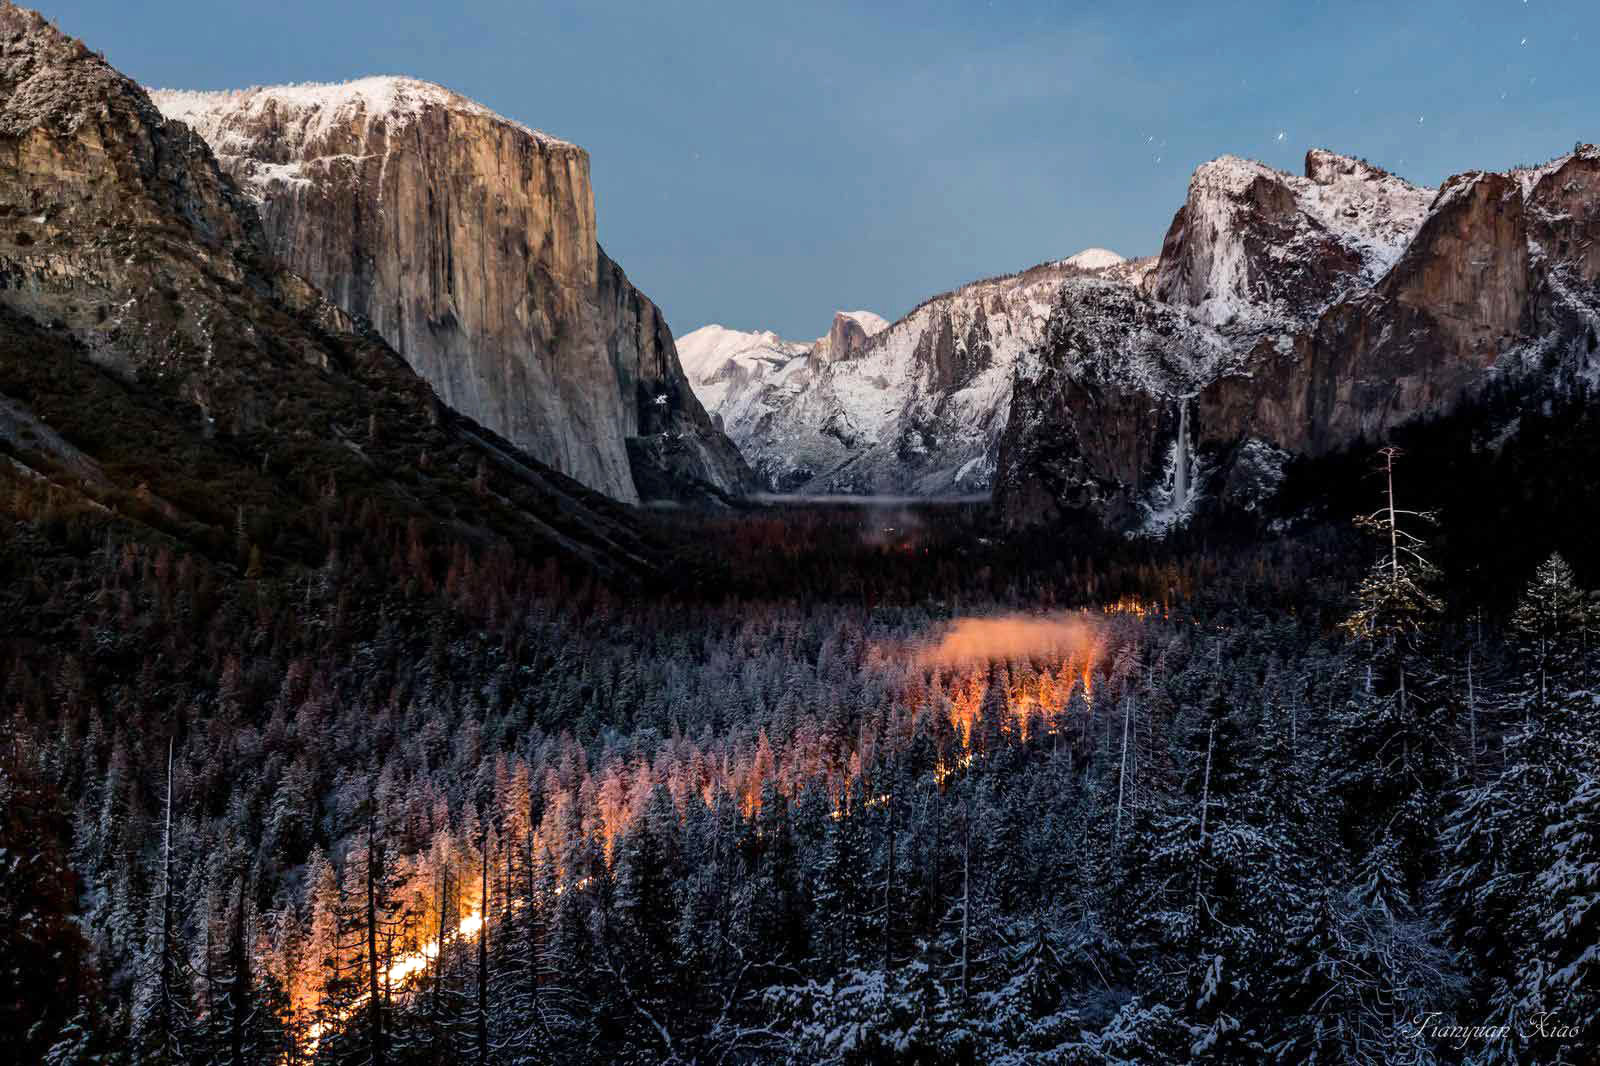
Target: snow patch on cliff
(310, 110)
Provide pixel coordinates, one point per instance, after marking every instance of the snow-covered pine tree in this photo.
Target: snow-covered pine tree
(1394, 751)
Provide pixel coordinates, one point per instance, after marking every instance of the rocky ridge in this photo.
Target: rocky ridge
(1294, 315)
(916, 406)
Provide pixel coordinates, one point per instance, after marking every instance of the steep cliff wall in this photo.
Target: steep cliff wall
(675, 449)
(157, 351)
(468, 241)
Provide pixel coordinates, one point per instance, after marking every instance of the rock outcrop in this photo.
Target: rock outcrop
(846, 338)
(468, 242)
(125, 250)
(1253, 246)
(675, 449)
(1099, 417)
(1293, 316)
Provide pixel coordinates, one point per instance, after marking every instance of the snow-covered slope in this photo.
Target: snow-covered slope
(734, 373)
(913, 407)
(706, 351)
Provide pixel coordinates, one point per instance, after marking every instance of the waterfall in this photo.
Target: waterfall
(1180, 466)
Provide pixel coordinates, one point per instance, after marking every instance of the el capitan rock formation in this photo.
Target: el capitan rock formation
(157, 362)
(468, 241)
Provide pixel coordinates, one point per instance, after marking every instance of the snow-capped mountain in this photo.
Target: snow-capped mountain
(1296, 315)
(916, 406)
(1287, 314)
(738, 375)
(1093, 259)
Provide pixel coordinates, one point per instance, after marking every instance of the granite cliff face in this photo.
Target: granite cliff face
(675, 449)
(1295, 315)
(846, 338)
(1255, 247)
(168, 366)
(468, 242)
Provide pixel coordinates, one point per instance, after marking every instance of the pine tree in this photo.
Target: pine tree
(640, 940)
(163, 1014)
(1564, 976)
(841, 892)
(1547, 621)
(1395, 751)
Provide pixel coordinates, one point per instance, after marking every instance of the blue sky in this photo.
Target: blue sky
(763, 164)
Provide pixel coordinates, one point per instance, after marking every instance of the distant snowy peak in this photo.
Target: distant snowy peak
(1255, 245)
(1094, 259)
(707, 352)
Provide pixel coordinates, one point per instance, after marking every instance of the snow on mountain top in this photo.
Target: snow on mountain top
(869, 322)
(1325, 168)
(1369, 207)
(1528, 177)
(311, 109)
(704, 353)
(1093, 259)
(1348, 181)
(1231, 174)
(1366, 209)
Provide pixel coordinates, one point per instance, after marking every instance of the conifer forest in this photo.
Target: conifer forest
(857, 785)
